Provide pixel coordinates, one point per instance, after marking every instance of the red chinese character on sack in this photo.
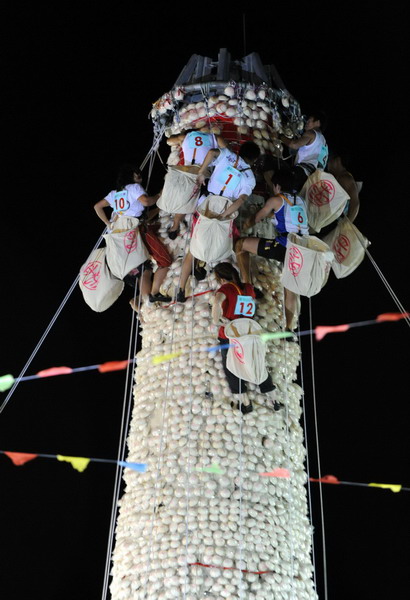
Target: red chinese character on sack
(130, 241)
(238, 351)
(341, 248)
(321, 193)
(295, 261)
(92, 274)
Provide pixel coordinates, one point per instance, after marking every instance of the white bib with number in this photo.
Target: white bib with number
(298, 216)
(228, 179)
(245, 306)
(121, 202)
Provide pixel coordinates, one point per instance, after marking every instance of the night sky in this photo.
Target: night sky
(79, 84)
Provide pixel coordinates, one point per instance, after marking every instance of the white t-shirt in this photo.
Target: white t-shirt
(231, 177)
(196, 145)
(315, 153)
(125, 202)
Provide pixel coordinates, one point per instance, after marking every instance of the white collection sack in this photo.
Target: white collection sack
(212, 238)
(179, 194)
(125, 248)
(348, 246)
(307, 264)
(246, 359)
(99, 288)
(325, 199)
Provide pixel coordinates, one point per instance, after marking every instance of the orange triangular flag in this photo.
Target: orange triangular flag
(20, 458)
(392, 316)
(326, 479)
(114, 365)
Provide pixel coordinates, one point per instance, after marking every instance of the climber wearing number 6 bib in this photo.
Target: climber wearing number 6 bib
(289, 215)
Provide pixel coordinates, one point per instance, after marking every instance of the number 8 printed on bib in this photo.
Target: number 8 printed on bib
(245, 306)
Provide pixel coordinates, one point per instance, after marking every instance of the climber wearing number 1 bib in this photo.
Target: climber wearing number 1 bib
(232, 179)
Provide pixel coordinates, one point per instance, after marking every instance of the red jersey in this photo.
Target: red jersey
(232, 291)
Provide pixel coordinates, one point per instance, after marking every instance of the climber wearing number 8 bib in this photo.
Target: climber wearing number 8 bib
(236, 300)
(288, 214)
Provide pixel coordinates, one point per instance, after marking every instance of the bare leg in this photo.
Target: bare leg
(290, 307)
(146, 283)
(177, 221)
(159, 277)
(186, 269)
(243, 247)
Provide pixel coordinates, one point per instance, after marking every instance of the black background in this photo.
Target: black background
(79, 80)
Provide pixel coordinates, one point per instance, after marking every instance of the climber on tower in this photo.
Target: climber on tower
(233, 180)
(195, 145)
(288, 214)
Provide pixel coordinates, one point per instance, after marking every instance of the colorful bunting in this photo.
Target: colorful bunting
(323, 330)
(140, 467)
(55, 371)
(6, 382)
(276, 335)
(279, 472)
(160, 358)
(78, 463)
(326, 479)
(388, 486)
(20, 458)
(214, 468)
(392, 317)
(114, 365)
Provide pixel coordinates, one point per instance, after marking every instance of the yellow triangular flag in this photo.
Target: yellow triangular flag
(388, 486)
(156, 360)
(77, 462)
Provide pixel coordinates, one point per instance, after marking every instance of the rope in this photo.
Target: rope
(46, 332)
(125, 419)
(290, 490)
(318, 455)
(379, 272)
(309, 489)
(188, 467)
(164, 424)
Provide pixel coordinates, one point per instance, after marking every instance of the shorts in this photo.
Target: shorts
(155, 247)
(271, 249)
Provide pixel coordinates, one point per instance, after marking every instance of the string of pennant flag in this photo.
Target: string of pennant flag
(7, 381)
(80, 463)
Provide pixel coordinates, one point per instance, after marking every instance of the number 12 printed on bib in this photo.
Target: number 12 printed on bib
(245, 306)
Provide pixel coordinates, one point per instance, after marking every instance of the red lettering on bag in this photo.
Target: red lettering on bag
(238, 351)
(321, 193)
(341, 248)
(230, 234)
(130, 241)
(295, 261)
(92, 274)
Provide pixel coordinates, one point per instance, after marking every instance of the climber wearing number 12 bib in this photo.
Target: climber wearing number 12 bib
(234, 300)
